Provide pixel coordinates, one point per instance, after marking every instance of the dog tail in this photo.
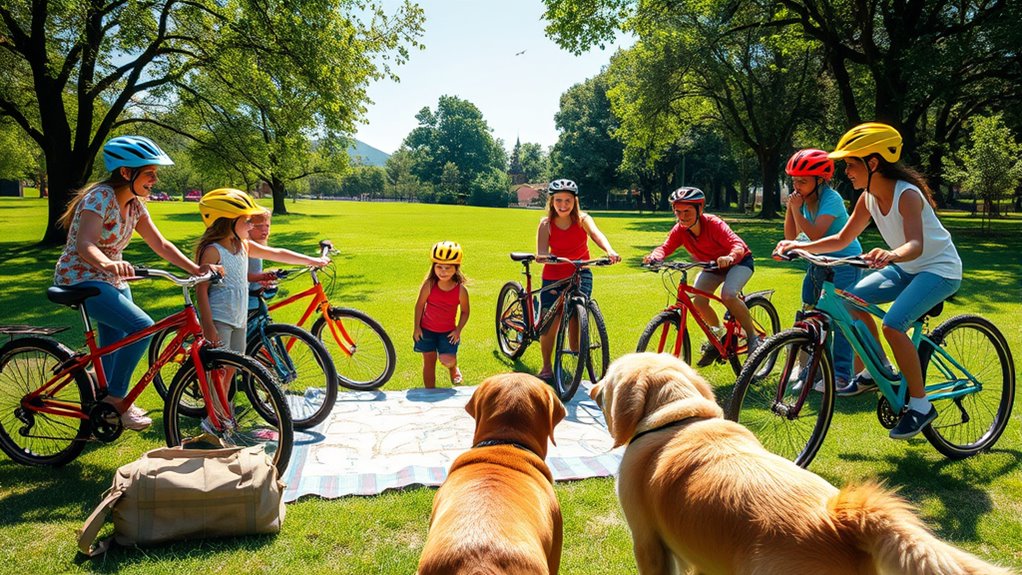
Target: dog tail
(887, 528)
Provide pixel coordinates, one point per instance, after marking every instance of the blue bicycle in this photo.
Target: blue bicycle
(968, 372)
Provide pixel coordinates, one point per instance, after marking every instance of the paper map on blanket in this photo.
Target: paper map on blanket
(375, 441)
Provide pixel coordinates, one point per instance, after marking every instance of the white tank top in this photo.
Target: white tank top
(228, 300)
(939, 255)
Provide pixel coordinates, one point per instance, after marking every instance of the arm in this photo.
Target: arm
(420, 306)
(89, 225)
(910, 206)
(166, 250)
(543, 238)
(857, 222)
(455, 336)
(790, 229)
(670, 244)
(726, 236)
(209, 257)
(284, 256)
(814, 230)
(589, 225)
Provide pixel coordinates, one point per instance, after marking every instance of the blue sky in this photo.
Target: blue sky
(470, 52)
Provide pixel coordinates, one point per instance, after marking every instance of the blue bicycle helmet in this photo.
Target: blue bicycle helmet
(133, 152)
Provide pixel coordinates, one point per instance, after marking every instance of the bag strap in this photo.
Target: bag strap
(87, 534)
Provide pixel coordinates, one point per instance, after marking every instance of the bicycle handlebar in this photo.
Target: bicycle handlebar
(657, 265)
(824, 261)
(191, 281)
(604, 261)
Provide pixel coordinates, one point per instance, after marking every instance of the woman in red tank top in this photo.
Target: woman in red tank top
(437, 323)
(565, 232)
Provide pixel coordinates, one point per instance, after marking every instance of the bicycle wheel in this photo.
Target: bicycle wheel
(371, 360)
(261, 415)
(661, 336)
(165, 375)
(766, 400)
(571, 350)
(764, 316)
(32, 437)
(512, 324)
(598, 358)
(302, 367)
(971, 423)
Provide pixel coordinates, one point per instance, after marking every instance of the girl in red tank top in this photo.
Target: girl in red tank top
(565, 232)
(438, 326)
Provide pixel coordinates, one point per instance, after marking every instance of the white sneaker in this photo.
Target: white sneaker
(135, 419)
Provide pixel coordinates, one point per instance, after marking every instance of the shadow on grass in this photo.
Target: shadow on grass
(963, 500)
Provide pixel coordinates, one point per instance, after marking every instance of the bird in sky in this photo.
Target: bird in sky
(520, 53)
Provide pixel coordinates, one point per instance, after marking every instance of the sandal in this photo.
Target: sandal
(456, 377)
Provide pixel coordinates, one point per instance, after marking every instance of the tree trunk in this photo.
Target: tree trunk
(279, 191)
(769, 161)
(68, 173)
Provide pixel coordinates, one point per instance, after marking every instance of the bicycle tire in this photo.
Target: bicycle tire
(754, 400)
(26, 363)
(598, 359)
(665, 320)
(569, 364)
(765, 316)
(372, 364)
(302, 367)
(975, 421)
(263, 421)
(165, 375)
(512, 326)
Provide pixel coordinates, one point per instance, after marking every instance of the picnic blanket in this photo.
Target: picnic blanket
(376, 441)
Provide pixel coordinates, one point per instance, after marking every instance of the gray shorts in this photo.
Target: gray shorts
(232, 338)
(734, 279)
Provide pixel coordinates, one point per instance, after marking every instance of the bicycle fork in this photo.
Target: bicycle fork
(815, 324)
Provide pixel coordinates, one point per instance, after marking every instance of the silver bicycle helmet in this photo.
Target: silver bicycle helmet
(563, 185)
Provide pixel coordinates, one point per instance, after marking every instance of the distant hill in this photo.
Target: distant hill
(363, 153)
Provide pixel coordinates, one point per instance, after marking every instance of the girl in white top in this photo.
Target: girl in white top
(918, 269)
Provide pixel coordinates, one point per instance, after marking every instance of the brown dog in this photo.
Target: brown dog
(497, 512)
(701, 495)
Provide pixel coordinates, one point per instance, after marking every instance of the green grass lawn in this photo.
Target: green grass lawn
(384, 256)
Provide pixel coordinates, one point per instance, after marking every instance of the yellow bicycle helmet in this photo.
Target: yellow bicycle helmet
(869, 138)
(227, 203)
(446, 253)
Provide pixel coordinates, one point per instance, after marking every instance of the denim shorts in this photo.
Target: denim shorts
(548, 297)
(912, 294)
(436, 341)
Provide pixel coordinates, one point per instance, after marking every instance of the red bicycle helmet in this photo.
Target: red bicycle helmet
(810, 162)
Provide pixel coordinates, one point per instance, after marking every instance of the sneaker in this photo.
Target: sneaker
(709, 354)
(797, 379)
(859, 384)
(912, 423)
(138, 410)
(456, 377)
(546, 376)
(135, 419)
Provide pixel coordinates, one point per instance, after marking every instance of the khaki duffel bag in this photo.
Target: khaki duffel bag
(177, 493)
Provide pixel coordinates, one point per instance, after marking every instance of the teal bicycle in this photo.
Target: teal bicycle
(967, 367)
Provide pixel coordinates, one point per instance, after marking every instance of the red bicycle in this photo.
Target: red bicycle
(51, 399)
(667, 332)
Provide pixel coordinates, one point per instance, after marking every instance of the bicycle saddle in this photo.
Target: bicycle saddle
(934, 311)
(522, 256)
(70, 295)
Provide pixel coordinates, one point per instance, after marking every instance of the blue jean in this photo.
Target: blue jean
(812, 283)
(912, 294)
(117, 317)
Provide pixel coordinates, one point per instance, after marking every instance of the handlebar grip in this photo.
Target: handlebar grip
(140, 271)
(326, 244)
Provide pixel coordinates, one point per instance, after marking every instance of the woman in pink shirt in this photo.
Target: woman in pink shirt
(437, 322)
(708, 239)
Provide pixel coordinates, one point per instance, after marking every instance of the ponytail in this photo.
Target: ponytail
(900, 171)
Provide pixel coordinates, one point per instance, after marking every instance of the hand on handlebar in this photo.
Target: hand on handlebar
(783, 247)
(121, 269)
(614, 257)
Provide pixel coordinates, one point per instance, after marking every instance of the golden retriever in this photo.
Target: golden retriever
(496, 513)
(702, 495)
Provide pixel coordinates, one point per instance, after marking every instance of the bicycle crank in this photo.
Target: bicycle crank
(886, 415)
(106, 421)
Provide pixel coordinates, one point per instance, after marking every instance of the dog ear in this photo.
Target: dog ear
(470, 407)
(625, 406)
(556, 409)
(596, 394)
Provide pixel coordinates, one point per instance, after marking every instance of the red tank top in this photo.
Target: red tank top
(572, 243)
(441, 309)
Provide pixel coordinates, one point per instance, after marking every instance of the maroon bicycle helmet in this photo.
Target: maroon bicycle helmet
(810, 162)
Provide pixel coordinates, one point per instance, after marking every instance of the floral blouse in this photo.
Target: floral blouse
(113, 238)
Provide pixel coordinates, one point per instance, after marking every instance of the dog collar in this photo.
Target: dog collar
(677, 423)
(492, 442)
